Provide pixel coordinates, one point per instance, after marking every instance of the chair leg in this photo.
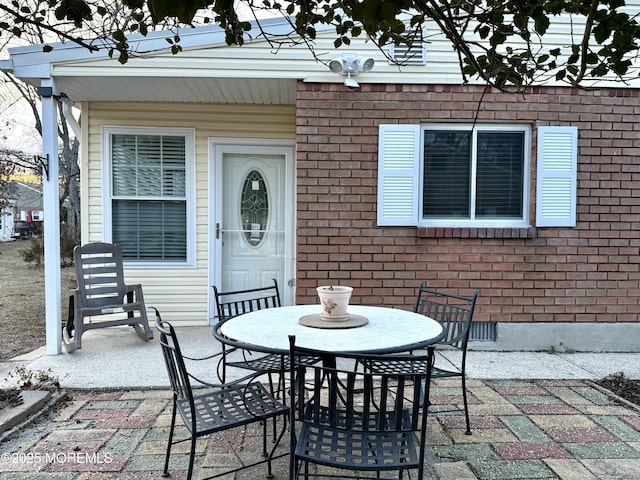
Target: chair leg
(68, 342)
(275, 420)
(466, 404)
(192, 456)
(165, 472)
(77, 325)
(264, 438)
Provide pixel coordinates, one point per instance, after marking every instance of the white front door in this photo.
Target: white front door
(252, 237)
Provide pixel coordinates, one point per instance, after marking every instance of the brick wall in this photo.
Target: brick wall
(589, 273)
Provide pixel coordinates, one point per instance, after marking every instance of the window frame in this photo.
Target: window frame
(455, 222)
(107, 194)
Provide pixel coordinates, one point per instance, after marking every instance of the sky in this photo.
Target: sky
(17, 123)
(18, 132)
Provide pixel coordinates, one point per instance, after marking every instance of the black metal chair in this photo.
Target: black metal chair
(455, 314)
(218, 407)
(233, 303)
(237, 302)
(357, 420)
(102, 299)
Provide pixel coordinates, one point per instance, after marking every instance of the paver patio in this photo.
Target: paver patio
(522, 429)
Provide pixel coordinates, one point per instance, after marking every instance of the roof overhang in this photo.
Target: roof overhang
(70, 67)
(179, 89)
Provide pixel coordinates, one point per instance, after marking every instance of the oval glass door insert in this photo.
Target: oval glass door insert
(254, 208)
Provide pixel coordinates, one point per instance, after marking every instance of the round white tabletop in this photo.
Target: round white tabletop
(388, 330)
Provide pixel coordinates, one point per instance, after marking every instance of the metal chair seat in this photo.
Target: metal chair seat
(390, 367)
(271, 363)
(229, 408)
(357, 450)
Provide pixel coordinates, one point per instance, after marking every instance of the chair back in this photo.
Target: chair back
(99, 274)
(233, 303)
(352, 399)
(176, 369)
(453, 312)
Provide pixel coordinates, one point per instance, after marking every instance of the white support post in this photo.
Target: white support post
(51, 197)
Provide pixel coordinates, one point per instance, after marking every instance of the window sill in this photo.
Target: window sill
(471, 232)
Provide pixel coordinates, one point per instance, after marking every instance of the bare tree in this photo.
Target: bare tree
(7, 168)
(68, 160)
(43, 28)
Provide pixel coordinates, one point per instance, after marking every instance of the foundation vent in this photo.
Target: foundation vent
(483, 332)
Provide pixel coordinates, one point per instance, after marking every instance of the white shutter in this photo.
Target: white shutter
(398, 174)
(557, 176)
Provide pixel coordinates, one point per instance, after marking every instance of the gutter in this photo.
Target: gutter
(6, 65)
(71, 120)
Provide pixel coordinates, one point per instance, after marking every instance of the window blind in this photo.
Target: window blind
(500, 163)
(447, 174)
(149, 217)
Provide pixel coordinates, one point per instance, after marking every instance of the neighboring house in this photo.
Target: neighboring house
(232, 166)
(24, 213)
(29, 207)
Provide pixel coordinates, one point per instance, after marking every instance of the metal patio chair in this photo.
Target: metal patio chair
(455, 314)
(355, 420)
(236, 302)
(215, 407)
(233, 303)
(102, 299)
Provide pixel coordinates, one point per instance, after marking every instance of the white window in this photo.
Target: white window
(463, 176)
(148, 207)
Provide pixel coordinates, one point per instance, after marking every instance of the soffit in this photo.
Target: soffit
(175, 89)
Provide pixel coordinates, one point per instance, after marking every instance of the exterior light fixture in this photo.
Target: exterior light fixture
(350, 64)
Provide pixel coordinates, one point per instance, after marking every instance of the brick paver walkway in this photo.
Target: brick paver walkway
(547, 429)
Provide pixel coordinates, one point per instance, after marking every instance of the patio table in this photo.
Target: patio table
(388, 330)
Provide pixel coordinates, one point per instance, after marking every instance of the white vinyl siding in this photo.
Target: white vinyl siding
(180, 293)
(557, 176)
(399, 200)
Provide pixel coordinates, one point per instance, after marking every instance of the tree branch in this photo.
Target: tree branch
(448, 26)
(584, 45)
(28, 21)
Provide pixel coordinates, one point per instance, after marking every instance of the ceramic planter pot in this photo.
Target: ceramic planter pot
(334, 302)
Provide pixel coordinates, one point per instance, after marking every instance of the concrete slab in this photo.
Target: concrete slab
(117, 358)
(603, 364)
(520, 365)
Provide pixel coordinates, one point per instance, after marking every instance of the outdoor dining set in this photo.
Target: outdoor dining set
(350, 383)
(351, 388)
